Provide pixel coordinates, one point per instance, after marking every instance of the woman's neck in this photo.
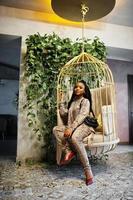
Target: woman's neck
(78, 97)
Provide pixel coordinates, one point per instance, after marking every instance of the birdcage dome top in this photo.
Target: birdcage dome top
(84, 57)
(85, 66)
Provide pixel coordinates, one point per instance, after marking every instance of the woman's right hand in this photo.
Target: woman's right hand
(67, 133)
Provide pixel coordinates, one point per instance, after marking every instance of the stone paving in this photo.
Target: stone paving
(113, 180)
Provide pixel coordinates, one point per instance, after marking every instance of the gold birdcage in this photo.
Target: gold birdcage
(99, 78)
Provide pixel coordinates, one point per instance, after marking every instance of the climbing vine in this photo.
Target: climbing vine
(43, 60)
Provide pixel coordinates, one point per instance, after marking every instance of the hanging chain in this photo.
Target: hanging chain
(84, 10)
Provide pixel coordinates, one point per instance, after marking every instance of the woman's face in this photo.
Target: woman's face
(79, 89)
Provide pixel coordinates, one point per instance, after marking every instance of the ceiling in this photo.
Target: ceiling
(122, 14)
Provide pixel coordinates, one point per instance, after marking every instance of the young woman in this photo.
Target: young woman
(73, 134)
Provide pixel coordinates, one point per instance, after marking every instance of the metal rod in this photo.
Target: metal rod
(84, 10)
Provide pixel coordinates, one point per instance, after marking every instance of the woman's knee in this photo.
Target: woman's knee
(75, 138)
(58, 133)
(55, 130)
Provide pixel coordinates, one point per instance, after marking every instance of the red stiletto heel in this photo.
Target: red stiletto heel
(67, 158)
(89, 181)
(89, 176)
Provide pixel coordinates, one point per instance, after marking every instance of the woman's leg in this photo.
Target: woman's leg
(62, 144)
(58, 132)
(77, 140)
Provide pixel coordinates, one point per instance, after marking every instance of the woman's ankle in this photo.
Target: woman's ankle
(88, 173)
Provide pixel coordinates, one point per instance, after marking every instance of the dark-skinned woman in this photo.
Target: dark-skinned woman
(73, 134)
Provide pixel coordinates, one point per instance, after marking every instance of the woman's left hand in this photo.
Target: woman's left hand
(67, 133)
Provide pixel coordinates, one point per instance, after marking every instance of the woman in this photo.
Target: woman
(73, 134)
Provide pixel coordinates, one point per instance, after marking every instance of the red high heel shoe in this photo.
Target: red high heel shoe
(89, 181)
(69, 156)
(89, 176)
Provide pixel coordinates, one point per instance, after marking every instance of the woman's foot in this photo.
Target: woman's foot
(89, 181)
(89, 176)
(68, 157)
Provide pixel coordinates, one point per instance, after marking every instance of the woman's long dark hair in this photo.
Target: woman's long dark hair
(86, 95)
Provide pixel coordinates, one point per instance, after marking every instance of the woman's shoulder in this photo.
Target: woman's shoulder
(85, 101)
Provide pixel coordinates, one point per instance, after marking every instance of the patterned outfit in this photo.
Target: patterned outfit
(77, 112)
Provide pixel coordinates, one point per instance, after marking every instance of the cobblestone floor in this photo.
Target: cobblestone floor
(113, 180)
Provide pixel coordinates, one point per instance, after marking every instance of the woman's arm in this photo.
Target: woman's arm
(63, 110)
(83, 113)
(62, 105)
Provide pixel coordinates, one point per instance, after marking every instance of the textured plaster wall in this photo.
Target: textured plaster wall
(28, 146)
(120, 70)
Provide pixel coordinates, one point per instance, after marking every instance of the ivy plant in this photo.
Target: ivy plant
(43, 60)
